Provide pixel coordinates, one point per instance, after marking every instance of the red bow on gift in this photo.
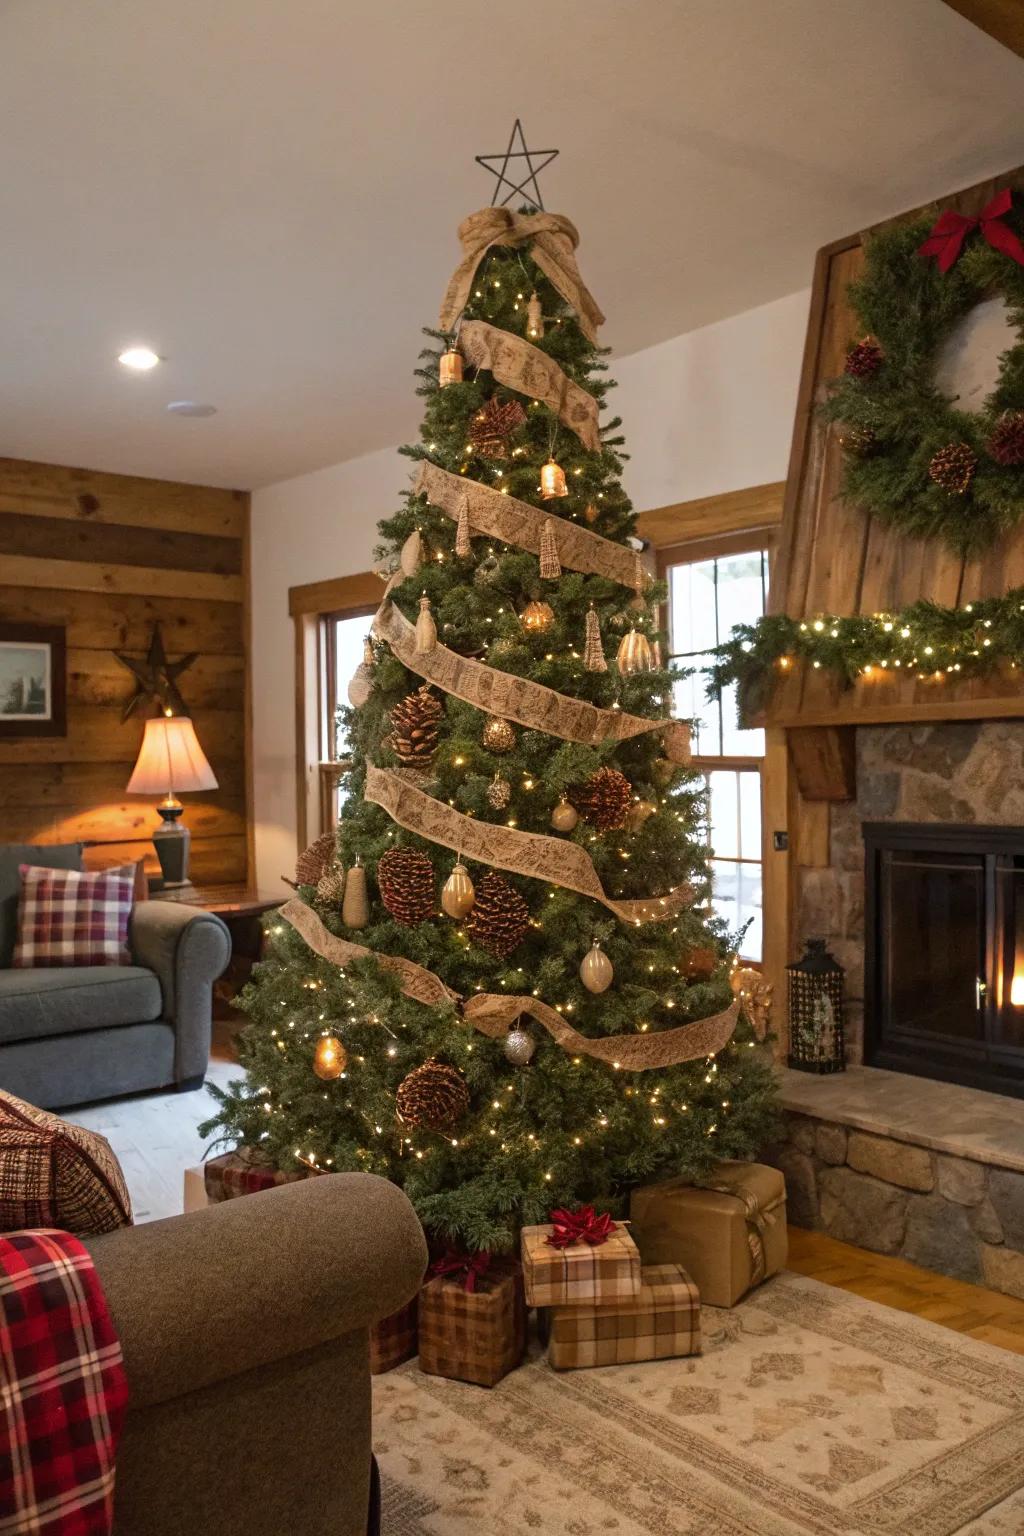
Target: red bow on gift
(951, 230)
(582, 1226)
(467, 1267)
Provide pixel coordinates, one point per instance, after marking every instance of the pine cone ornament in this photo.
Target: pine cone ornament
(605, 799)
(493, 425)
(857, 441)
(1006, 443)
(312, 862)
(500, 919)
(499, 793)
(405, 878)
(953, 468)
(330, 888)
(865, 359)
(434, 1097)
(415, 724)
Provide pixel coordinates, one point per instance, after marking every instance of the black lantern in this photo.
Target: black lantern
(816, 1011)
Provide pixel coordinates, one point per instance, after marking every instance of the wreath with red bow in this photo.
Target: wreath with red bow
(913, 457)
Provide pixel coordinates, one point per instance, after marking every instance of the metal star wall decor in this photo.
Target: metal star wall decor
(156, 678)
(536, 161)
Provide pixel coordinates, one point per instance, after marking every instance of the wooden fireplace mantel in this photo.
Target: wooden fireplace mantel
(832, 558)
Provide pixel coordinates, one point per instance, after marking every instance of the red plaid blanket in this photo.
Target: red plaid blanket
(63, 1390)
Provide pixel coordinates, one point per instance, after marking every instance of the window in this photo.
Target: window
(709, 592)
(343, 636)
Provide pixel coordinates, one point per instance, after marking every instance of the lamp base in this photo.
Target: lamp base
(172, 842)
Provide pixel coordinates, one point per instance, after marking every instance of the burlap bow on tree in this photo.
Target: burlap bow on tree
(552, 239)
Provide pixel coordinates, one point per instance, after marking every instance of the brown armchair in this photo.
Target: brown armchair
(245, 1330)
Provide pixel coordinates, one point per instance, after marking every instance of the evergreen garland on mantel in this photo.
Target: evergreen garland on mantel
(912, 458)
(924, 639)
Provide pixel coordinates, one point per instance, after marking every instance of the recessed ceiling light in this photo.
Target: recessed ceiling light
(139, 358)
(191, 408)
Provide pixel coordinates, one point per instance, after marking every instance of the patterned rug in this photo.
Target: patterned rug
(811, 1413)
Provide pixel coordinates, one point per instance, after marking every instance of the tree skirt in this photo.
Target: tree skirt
(811, 1413)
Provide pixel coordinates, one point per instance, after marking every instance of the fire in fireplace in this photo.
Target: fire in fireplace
(944, 961)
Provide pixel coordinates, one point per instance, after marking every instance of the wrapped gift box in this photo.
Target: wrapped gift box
(599, 1274)
(728, 1233)
(394, 1339)
(660, 1322)
(244, 1172)
(477, 1335)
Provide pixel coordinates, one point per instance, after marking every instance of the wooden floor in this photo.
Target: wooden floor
(155, 1138)
(969, 1309)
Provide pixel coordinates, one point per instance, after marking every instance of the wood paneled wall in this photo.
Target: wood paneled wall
(107, 556)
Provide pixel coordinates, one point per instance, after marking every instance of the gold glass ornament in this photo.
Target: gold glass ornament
(499, 793)
(498, 735)
(450, 371)
(564, 816)
(330, 1058)
(590, 513)
(457, 893)
(537, 617)
(426, 629)
(411, 557)
(634, 654)
(355, 908)
(552, 480)
(596, 969)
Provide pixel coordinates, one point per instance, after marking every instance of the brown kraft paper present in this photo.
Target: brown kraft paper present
(478, 1335)
(660, 1323)
(605, 1273)
(729, 1232)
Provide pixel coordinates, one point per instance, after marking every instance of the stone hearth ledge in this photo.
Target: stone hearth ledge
(945, 1117)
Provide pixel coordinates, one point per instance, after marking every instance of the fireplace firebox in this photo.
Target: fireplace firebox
(944, 963)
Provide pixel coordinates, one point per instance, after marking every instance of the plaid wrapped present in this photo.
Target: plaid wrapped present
(599, 1273)
(474, 1335)
(662, 1321)
(244, 1172)
(63, 1390)
(394, 1339)
(728, 1232)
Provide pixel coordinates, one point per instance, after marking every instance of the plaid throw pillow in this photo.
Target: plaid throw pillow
(53, 1174)
(70, 917)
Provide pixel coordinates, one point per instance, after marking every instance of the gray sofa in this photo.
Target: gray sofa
(245, 1330)
(73, 1034)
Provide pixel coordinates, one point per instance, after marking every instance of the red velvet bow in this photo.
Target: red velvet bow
(467, 1267)
(951, 230)
(582, 1226)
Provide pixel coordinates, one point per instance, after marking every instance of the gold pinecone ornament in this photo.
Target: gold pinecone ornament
(499, 792)
(315, 859)
(405, 878)
(500, 919)
(498, 735)
(604, 800)
(858, 442)
(433, 1097)
(415, 726)
(953, 468)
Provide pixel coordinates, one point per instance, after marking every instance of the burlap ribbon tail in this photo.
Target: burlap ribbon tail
(493, 1014)
(522, 367)
(552, 239)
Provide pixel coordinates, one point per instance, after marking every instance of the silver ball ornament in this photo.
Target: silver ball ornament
(519, 1045)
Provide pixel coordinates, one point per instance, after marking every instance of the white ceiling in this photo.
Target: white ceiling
(267, 190)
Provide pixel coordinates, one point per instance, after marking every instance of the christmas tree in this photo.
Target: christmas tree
(501, 985)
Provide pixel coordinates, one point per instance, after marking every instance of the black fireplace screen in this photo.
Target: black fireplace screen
(944, 979)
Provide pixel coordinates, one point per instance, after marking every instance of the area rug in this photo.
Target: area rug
(812, 1412)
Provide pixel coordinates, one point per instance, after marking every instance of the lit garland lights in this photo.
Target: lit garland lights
(929, 642)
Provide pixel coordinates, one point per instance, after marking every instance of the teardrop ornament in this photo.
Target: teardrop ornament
(457, 893)
(596, 969)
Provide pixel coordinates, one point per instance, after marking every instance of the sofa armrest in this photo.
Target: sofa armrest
(201, 1298)
(188, 949)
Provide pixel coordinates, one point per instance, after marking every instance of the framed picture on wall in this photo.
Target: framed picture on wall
(33, 680)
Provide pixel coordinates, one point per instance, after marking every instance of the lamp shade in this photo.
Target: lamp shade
(170, 759)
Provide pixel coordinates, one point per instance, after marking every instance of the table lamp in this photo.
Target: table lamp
(171, 761)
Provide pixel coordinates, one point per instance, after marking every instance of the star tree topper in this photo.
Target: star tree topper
(536, 161)
(156, 677)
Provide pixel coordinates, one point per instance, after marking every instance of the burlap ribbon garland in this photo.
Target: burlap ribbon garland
(552, 239)
(516, 698)
(522, 367)
(522, 853)
(493, 1015)
(516, 522)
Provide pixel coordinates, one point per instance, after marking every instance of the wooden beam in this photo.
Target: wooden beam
(756, 506)
(53, 538)
(824, 760)
(86, 576)
(1001, 19)
(30, 489)
(124, 620)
